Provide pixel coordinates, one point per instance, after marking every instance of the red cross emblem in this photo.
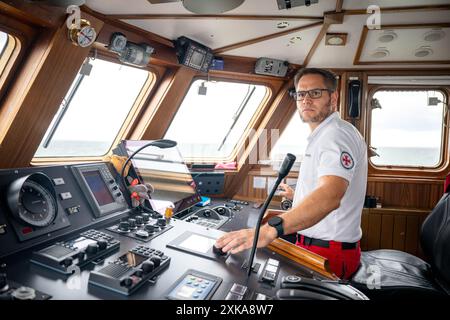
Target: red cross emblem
(346, 160)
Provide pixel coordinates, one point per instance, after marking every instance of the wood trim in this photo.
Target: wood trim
(316, 43)
(363, 38)
(209, 16)
(339, 5)
(401, 9)
(30, 13)
(27, 113)
(266, 37)
(303, 257)
(114, 25)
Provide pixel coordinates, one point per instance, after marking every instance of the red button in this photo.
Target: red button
(27, 230)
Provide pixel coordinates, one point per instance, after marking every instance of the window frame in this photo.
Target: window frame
(418, 170)
(139, 105)
(253, 124)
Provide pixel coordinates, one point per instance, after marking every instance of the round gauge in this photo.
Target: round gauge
(36, 205)
(32, 200)
(83, 35)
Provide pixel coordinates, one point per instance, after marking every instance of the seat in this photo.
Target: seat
(385, 274)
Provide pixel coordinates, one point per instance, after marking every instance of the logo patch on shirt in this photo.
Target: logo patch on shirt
(347, 160)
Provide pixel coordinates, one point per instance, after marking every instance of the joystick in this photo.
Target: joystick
(218, 251)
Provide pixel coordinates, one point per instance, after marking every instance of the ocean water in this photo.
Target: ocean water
(427, 157)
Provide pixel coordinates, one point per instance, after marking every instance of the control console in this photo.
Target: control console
(211, 218)
(143, 227)
(65, 256)
(131, 270)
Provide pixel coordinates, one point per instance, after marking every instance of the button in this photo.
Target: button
(261, 296)
(199, 291)
(195, 296)
(273, 262)
(118, 194)
(65, 195)
(238, 289)
(58, 181)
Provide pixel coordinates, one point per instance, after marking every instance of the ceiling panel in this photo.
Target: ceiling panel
(254, 7)
(364, 4)
(281, 48)
(403, 48)
(342, 57)
(214, 33)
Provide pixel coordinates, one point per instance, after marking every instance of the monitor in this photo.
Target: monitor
(167, 172)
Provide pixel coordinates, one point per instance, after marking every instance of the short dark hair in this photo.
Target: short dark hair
(329, 77)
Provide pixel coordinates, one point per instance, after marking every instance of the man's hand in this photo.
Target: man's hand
(237, 241)
(287, 192)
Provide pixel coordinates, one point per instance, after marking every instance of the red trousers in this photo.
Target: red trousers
(343, 262)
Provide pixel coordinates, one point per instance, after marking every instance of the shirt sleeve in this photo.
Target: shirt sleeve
(337, 155)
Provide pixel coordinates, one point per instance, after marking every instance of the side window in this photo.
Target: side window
(292, 140)
(94, 111)
(407, 128)
(214, 117)
(8, 44)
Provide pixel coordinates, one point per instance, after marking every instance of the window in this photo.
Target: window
(94, 111)
(7, 46)
(292, 140)
(211, 125)
(405, 130)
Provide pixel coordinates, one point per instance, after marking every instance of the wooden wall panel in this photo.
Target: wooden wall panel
(399, 233)
(387, 231)
(374, 231)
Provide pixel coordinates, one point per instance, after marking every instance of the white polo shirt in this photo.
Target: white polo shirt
(335, 148)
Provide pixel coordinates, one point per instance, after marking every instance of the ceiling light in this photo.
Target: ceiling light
(387, 36)
(211, 6)
(282, 24)
(335, 39)
(380, 53)
(295, 40)
(434, 35)
(423, 52)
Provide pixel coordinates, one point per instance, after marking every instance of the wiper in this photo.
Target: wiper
(66, 103)
(238, 113)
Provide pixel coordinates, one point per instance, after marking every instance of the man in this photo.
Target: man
(330, 191)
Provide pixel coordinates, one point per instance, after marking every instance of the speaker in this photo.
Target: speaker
(354, 98)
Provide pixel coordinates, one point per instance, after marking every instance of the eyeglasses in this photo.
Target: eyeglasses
(313, 94)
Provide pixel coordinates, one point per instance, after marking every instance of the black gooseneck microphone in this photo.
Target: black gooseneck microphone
(288, 162)
(161, 143)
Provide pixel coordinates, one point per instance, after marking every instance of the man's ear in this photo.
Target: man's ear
(334, 100)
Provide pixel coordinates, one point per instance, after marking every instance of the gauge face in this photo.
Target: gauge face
(36, 206)
(86, 36)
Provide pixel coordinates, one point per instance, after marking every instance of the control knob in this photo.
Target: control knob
(156, 261)
(92, 248)
(148, 266)
(132, 223)
(139, 220)
(145, 217)
(127, 282)
(151, 228)
(102, 244)
(67, 262)
(124, 226)
(162, 222)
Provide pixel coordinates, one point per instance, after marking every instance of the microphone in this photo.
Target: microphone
(161, 143)
(286, 166)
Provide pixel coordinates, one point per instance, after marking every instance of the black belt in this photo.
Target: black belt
(324, 243)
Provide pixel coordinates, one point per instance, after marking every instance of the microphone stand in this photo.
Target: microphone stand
(288, 162)
(161, 143)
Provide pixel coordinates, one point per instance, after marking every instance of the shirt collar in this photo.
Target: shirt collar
(323, 124)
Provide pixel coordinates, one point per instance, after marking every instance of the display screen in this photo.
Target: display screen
(198, 243)
(166, 171)
(132, 259)
(98, 187)
(197, 58)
